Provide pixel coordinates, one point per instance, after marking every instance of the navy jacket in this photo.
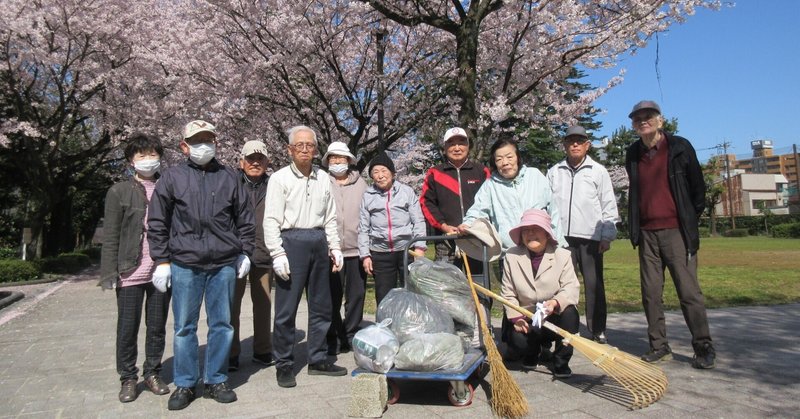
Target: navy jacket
(200, 217)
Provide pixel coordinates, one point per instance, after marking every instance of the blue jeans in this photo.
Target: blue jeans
(189, 285)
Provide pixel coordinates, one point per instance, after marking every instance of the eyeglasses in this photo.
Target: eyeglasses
(575, 140)
(303, 146)
(643, 118)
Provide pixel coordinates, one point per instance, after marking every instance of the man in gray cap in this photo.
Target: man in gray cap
(584, 194)
(253, 167)
(666, 199)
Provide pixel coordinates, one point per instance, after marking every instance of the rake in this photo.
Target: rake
(644, 381)
(507, 398)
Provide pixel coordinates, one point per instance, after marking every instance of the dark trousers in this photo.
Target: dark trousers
(530, 344)
(388, 271)
(307, 251)
(349, 284)
(665, 248)
(129, 316)
(588, 260)
(260, 278)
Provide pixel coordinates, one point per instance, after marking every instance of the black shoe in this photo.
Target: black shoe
(264, 359)
(233, 364)
(545, 355)
(285, 377)
(219, 392)
(530, 362)
(180, 398)
(562, 372)
(658, 355)
(704, 357)
(600, 338)
(127, 393)
(326, 368)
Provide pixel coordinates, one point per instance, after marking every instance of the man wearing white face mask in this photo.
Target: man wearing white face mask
(202, 235)
(126, 267)
(347, 189)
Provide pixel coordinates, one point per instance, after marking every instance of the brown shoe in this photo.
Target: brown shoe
(128, 391)
(155, 385)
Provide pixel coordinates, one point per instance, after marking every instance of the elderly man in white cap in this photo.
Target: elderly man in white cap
(582, 188)
(347, 189)
(253, 167)
(201, 234)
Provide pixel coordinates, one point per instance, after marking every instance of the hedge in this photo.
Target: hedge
(14, 270)
(9, 253)
(92, 252)
(737, 232)
(65, 263)
(786, 231)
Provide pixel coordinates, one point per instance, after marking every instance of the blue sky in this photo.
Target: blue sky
(728, 75)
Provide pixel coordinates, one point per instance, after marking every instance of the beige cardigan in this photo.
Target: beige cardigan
(555, 279)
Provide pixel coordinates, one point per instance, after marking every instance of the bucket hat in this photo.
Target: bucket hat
(482, 233)
(532, 217)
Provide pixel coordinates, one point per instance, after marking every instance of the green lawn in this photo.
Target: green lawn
(733, 272)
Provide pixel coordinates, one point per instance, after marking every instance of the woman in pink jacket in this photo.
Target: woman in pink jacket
(535, 271)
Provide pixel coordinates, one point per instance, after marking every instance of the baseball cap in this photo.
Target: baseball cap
(197, 126)
(454, 132)
(253, 147)
(576, 130)
(645, 105)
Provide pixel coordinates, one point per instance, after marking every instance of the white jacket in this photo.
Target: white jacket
(586, 199)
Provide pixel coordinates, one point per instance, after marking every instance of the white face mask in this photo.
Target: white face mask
(338, 169)
(202, 153)
(147, 168)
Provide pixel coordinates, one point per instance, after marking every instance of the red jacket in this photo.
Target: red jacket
(447, 192)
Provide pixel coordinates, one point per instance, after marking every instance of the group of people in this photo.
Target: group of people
(200, 231)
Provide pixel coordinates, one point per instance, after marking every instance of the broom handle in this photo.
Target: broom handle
(524, 312)
(473, 287)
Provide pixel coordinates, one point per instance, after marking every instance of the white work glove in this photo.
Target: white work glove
(338, 260)
(242, 266)
(538, 317)
(281, 267)
(162, 277)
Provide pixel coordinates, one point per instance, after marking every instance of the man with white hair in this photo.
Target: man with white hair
(301, 235)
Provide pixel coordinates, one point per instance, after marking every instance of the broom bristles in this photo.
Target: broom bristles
(507, 398)
(644, 381)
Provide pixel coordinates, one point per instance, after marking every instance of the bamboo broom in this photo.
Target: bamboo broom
(644, 381)
(507, 398)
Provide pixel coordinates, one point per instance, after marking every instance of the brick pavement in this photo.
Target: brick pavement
(57, 360)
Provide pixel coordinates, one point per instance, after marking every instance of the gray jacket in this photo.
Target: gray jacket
(123, 231)
(347, 197)
(389, 220)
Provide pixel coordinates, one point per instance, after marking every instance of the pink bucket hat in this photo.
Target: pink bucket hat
(532, 217)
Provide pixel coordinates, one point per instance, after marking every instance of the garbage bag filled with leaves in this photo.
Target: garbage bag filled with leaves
(446, 284)
(430, 352)
(413, 314)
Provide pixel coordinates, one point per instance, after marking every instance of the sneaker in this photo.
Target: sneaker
(233, 364)
(562, 372)
(600, 338)
(127, 393)
(704, 357)
(181, 398)
(285, 377)
(264, 359)
(156, 385)
(657, 355)
(530, 362)
(219, 392)
(326, 368)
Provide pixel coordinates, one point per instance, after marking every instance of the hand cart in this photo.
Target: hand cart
(460, 392)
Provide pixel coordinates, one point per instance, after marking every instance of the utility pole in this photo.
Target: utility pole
(796, 172)
(724, 146)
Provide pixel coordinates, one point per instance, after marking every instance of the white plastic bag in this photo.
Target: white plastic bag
(374, 347)
(431, 352)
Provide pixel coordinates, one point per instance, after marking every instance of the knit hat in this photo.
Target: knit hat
(338, 148)
(381, 159)
(532, 217)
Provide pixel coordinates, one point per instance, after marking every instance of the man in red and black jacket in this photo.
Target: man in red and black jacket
(449, 190)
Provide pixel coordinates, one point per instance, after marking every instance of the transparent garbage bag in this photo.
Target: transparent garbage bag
(374, 347)
(431, 352)
(413, 314)
(446, 284)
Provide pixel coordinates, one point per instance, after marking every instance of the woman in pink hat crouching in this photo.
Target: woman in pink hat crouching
(535, 271)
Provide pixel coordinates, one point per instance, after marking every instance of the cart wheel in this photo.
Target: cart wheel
(463, 399)
(394, 392)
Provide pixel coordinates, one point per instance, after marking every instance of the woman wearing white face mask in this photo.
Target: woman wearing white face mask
(350, 282)
(127, 267)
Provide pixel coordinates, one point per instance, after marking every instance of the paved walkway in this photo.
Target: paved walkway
(57, 360)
